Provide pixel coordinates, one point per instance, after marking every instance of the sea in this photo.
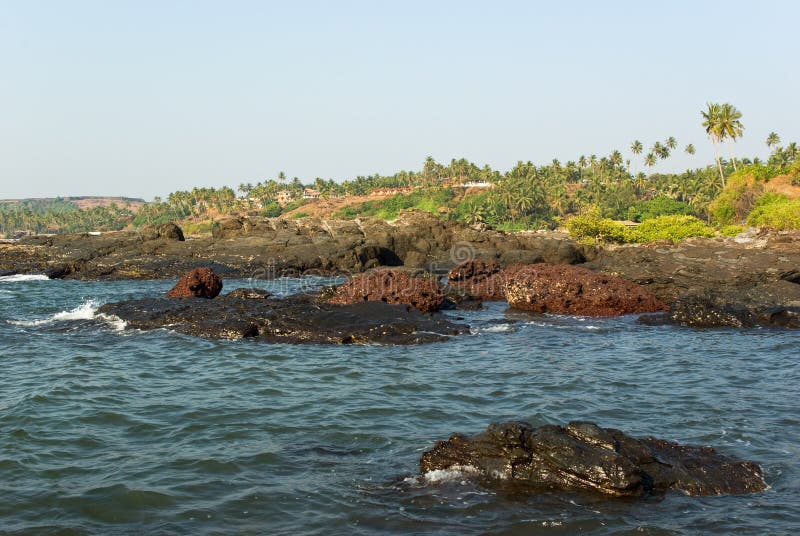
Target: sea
(106, 430)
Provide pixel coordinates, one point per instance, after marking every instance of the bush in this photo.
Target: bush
(271, 210)
(660, 206)
(298, 215)
(589, 228)
(731, 230)
(674, 228)
(775, 211)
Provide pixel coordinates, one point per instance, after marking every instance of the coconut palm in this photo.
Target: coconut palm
(712, 124)
(773, 139)
(650, 160)
(671, 142)
(689, 149)
(730, 126)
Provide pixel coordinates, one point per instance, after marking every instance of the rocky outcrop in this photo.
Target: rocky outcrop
(740, 282)
(391, 286)
(584, 456)
(166, 231)
(295, 319)
(198, 283)
(271, 247)
(744, 310)
(572, 290)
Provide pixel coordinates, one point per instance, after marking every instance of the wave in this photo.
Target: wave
(497, 328)
(85, 311)
(455, 473)
(16, 278)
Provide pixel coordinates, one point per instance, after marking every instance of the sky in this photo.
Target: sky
(142, 98)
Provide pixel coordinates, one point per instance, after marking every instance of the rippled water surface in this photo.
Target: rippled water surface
(104, 431)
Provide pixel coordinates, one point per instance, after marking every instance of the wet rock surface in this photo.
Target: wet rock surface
(572, 290)
(585, 457)
(197, 283)
(419, 291)
(295, 319)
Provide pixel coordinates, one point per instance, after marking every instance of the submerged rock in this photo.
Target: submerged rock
(197, 283)
(571, 290)
(584, 456)
(391, 286)
(295, 319)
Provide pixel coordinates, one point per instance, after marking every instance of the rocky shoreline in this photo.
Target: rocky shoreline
(743, 282)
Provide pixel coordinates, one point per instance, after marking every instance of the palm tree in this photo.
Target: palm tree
(650, 160)
(689, 149)
(730, 125)
(773, 139)
(636, 147)
(671, 142)
(711, 122)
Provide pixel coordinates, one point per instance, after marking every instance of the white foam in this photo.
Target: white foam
(16, 278)
(499, 328)
(451, 474)
(85, 311)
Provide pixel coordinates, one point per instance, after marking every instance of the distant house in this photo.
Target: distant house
(308, 193)
(476, 184)
(284, 197)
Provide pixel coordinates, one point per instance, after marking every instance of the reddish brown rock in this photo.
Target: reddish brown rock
(482, 280)
(391, 286)
(570, 290)
(198, 283)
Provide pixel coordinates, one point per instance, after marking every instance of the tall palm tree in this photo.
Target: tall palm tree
(671, 142)
(690, 149)
(650, 160)
(730, 125)
(773, 139)
(711, 122)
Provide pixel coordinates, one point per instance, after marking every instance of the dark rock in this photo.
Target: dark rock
(584, 456)
(249, 294)
(391, 286)
(198, 283)
(167, 231)
(473, 270)
(295, 319)
(724, 309)
(571, 290)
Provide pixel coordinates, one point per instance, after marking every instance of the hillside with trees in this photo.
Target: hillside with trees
(616, 186)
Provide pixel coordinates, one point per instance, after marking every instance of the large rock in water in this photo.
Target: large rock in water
(584, 456)
(571, 290)
(391, 286)
(294, 319)
(198, 283)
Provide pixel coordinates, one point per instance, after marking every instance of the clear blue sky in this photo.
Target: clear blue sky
(141, 98)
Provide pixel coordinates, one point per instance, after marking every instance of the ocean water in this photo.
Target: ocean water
(108, 431)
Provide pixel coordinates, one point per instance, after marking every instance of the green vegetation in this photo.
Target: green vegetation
(660, 206)
(59, 216)
(775, 211)
(731, 230)
(593, 229)
(674, 228)
(298, 215)
(587, 193)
